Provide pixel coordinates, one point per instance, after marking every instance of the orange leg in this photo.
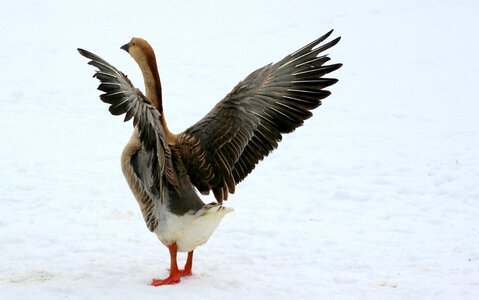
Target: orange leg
(174, 272)
(189, 264)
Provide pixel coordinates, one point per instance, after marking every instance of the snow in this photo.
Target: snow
(376, 197)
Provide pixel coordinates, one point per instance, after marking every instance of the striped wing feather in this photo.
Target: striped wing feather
(221, 149)
(152, 164)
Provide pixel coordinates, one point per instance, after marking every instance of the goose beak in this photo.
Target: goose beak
(125, 47)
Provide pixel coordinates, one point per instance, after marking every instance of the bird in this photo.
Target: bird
(166, 171)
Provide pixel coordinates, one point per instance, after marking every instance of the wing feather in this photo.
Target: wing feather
(248, 123)
(151, 166)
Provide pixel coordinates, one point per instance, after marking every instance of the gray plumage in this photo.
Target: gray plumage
(222, 148)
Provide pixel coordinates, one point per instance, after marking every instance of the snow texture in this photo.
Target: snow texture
(376, 197)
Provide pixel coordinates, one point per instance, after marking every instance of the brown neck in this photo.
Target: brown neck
(153, 83)
(153, 93)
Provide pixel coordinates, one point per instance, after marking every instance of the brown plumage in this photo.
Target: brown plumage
(164, 169)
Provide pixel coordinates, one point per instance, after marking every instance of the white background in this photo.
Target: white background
(376, 197)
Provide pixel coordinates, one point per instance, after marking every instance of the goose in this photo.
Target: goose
(165, 171)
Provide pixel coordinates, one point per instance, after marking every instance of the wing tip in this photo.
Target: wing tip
(327, 34)
(323, 47)
(334, 67)
(335, 41)
(84, 52)
(322, 38)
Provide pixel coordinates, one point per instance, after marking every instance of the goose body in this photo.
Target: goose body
(165, 171)
(181, 217)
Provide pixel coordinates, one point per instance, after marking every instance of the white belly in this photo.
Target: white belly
(190, 230)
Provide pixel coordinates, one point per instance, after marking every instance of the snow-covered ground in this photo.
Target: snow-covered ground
(376, 197)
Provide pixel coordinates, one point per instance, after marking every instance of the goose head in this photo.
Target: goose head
(140, 50)
(143, 54)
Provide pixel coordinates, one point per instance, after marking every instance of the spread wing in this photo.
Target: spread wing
(151, 164)
(221, 149)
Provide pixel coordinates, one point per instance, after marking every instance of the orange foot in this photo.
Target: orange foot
(172, 279)
(188, 266)
(175, 274)
(185, 272)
